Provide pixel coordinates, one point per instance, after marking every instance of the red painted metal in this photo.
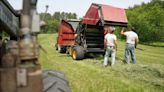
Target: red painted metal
(92, 15)
(114, 14)
(105, 12)
(65, 34)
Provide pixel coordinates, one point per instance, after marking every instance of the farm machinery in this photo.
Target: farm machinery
(66, 34)
(89, 34)
(20, 70)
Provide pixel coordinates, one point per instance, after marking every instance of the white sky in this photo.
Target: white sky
(78, 6)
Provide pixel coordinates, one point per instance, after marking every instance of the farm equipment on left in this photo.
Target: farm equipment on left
(20, 70)
(66, 35)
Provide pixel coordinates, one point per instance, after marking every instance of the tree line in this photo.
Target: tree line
(53, 21)
(148, 19)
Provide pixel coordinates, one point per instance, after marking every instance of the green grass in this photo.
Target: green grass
(89, 75)
(155, 44)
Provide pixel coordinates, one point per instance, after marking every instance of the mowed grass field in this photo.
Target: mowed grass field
(89, 75)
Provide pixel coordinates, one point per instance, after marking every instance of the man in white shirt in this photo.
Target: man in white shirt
(110, 42)
(131, 43)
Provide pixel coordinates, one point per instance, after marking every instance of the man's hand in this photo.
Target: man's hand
(115, 42)
(136, 42)
(135, 46)
(116, 48)
(105, 43)
(105, 46)
(122, 31)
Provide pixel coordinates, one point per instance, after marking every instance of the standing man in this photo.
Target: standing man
(110, 41)
(131, 43)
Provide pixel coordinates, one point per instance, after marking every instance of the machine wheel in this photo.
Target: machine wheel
(61, 49)
(78, 53)
(55, 81)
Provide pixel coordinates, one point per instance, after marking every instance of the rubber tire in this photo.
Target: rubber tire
(79, 55)
(55, 81)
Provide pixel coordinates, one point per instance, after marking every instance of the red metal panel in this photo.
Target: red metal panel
(114, 14)
(65, 34)
(107, 12)
(92, 15)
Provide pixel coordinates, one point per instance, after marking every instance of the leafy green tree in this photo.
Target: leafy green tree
(53, 21)
(148, 19)
(45, 16)
(74, 16)
(52, 26)
(70, 15)
(56, 16)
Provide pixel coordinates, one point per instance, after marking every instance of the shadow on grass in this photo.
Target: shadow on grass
(96, 56)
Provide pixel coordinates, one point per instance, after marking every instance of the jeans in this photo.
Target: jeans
(130, 50)
(110, 51)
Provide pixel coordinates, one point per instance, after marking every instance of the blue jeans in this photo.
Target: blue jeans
(130, 50)
(109, 51)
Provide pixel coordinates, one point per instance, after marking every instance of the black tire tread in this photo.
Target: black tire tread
(55, 81)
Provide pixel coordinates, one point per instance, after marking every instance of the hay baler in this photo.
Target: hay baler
(89, 36)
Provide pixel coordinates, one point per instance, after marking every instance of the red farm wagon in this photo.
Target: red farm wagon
(66, 34)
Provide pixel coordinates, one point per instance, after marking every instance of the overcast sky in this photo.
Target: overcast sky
(78, 6)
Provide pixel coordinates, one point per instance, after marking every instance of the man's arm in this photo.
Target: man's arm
(75, 35)
(105, 43)
(115, 42)
(122, 32)
(136, 42)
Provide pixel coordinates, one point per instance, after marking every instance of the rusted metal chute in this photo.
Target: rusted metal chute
(29, 68)
(20, 70)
